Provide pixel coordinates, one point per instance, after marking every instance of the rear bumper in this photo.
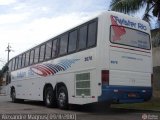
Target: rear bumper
(125, 94)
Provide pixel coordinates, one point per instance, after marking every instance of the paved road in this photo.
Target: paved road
(81, 113)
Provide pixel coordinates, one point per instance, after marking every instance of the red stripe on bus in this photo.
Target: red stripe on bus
(129, 49)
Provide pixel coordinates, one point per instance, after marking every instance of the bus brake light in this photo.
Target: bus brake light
(105, 77)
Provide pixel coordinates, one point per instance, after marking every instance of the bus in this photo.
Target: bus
(106, 59)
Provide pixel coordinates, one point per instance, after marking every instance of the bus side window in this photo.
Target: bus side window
(92, 30)
(36, 55)
(13, 64)
(23, 59)
(31, 57)
(54, 48)
(72, 41)
(10, 65)
(27, 59)
(41, 55)
(48, 50)
(82, 38)
(20, 61)
(63, 44)
(16, 63)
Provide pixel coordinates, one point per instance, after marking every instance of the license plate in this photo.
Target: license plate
(132, 95)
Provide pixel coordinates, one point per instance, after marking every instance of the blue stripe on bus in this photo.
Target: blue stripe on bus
(50, 66)
(110, 94)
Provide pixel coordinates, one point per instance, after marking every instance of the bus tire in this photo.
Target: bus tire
(50, 100)
(13, 97)
(62, 98)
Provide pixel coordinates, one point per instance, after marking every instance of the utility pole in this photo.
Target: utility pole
(8, 50)
(8, 80)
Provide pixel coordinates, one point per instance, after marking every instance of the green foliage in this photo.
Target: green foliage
(4, 70)
(155, 11)
(127, 6)
(150, 105)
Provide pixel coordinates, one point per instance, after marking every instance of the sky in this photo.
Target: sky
(27, 23)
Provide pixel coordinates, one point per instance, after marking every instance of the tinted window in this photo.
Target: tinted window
(54, 48)
(20, 61)
(48, 50)
(92, 28)
(63, 44)
(16, 63)
(36, 55)
(31, 57)
(27, 59)
(130, 37)
(23, 60)
(82, 37)
(42, 51)
(13, 64)
(72, 41)
(10, 65)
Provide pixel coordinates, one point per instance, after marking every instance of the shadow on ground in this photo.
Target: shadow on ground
(94, 109)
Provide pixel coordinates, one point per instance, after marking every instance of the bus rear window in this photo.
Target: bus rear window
(129, 37)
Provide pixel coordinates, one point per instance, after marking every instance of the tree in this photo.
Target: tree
(4, 70)
(1, 76)
(2, 73)
(133, 6)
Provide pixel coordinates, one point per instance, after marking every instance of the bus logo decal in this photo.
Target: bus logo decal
(118, 31)
(51, 69)
(122, 21)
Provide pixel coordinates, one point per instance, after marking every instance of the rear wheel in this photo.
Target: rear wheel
(62, 98)
(50, 100)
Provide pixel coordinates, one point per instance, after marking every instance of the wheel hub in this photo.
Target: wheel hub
(62, 98)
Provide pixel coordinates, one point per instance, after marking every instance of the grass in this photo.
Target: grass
(150, 105)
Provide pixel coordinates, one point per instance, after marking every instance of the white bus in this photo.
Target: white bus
(105, 59)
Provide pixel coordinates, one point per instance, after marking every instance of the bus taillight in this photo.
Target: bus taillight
(105, 77)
